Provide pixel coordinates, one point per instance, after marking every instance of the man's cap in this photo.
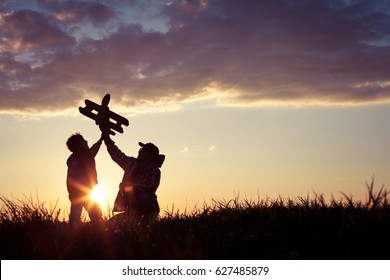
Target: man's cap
(150, 147)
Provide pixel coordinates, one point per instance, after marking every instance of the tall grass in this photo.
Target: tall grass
(300, 228)
(27, 210)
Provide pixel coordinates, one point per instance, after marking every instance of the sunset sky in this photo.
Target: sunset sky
(251, 98)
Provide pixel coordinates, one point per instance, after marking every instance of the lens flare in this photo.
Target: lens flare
(99, 194)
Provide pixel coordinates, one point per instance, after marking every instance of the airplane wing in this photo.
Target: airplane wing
(116, 121)
(119, 119)
(91, 110)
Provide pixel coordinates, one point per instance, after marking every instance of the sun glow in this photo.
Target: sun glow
(99, 194)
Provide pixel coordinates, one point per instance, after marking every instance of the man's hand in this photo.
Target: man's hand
(105, 129)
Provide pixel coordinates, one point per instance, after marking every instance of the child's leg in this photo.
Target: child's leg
(94, 212)
(75, 212)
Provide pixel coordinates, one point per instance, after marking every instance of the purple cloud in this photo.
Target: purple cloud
(252, 51)
(76, 11)
(25, 29)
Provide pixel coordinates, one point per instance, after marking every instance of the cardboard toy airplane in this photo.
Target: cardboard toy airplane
(102, 115)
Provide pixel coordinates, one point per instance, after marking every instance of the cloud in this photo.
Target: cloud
(29, 30)
(76, 11)
(197, 149)
(244, 52)
(212, 148)
(185, 149)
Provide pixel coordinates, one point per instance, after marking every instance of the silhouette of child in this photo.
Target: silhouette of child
(81, 178)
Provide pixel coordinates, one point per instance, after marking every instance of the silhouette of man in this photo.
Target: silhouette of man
(82, 177)
(137, 191)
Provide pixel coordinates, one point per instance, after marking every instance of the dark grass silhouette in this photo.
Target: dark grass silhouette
(303, 228)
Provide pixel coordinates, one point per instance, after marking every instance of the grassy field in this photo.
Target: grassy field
(303, 228)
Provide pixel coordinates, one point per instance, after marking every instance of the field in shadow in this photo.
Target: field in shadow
(301, 228)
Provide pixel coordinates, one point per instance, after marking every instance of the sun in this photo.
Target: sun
(99, 194)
